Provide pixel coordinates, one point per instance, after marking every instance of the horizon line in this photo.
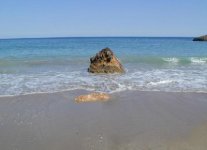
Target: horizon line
(59, 37)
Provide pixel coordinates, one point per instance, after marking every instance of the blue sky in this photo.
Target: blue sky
(54, 18)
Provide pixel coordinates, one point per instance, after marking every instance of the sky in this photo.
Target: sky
(69, 18)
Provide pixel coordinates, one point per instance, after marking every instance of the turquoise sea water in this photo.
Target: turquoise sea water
(58, 64)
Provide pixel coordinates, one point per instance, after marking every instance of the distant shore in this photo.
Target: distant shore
(129, 120)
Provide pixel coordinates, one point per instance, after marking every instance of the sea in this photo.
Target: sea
(47, 65)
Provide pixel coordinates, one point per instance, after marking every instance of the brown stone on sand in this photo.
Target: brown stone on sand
(92, 97)
(105, 62)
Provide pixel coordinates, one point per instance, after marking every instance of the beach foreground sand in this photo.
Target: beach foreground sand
(130, 120)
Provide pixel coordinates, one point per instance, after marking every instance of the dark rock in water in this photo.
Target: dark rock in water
(105, 62)
(201, 38)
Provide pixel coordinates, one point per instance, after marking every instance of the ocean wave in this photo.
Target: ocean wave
(177, 80)
(7, 65)
(171, 60)
(161, 82)
(166, 60)
(197, 60)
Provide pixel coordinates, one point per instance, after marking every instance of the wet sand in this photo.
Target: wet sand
(130, 120)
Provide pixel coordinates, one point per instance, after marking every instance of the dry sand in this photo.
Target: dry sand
(130, 120)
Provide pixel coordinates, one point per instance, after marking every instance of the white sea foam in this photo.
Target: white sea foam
(160, 82)
(177, 80)
(195, 60)
(171, 60)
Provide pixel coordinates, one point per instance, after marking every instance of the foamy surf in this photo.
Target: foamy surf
(173, 80)
(171, 60)
(196, 60)
(161, 82)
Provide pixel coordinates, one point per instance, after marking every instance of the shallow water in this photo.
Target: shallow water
(58, 64)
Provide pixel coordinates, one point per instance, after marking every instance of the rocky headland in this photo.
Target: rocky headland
(201, 38)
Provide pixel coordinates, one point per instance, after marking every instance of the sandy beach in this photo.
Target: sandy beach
(131, 120)
(103, 75)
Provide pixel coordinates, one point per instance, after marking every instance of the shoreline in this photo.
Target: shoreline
(92, 91)
(129, 120)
